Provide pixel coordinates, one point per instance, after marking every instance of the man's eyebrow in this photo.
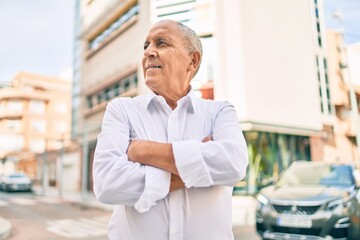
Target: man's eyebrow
(161, 38)
(157, 38)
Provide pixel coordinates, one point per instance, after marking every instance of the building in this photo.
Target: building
(34, 119)
(267, 67)
(268, 58)
(339, 135)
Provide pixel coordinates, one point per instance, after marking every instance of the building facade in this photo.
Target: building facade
(268, 58)
(34, 118)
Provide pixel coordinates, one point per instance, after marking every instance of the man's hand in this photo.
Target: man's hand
(176, 183)
(207, 138)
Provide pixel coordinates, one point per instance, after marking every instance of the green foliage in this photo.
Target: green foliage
(254, 167)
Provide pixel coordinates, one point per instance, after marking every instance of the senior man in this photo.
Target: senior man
(167, 160)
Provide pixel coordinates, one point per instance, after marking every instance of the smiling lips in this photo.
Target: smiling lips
(152, 66)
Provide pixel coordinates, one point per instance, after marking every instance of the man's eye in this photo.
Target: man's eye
(146, 46)
(162, 43)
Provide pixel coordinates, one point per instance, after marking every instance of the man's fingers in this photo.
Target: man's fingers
(207, 138)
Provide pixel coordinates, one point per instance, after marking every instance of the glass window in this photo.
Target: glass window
(89, 102)
(113, 26)
(37, 145)
(60, 127)
(116, 89)
(15, 106)
(127, 84)
(107, 94)
(322, 174)
(13, 125)
(10, 142)
(319, 41)
(37, 106)
(270, 154)
(38, 125)
(60, 108)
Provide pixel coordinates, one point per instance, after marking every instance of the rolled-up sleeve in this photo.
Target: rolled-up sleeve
(117, 180)
(222, 161)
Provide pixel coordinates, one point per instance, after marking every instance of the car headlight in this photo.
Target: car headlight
(339, 203)
(263, 201)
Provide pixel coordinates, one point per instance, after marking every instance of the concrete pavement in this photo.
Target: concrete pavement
(5, 229)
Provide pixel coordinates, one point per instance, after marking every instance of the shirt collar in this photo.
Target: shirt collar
(188, 100)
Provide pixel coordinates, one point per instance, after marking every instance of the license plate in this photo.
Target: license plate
(294, 222)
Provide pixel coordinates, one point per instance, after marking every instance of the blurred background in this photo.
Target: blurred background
(291, 68)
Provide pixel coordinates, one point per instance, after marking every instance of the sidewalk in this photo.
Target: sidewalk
(244, 210)
(87, 200)
(5, 229)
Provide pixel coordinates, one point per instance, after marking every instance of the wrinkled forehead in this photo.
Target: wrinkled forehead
(165, 29)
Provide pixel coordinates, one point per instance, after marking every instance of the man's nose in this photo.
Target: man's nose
(150, 51)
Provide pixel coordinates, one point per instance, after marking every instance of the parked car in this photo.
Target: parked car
(16, 182)
(311, 200)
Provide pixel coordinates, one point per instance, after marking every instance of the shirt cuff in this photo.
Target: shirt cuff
(157, 185)
(190, 164)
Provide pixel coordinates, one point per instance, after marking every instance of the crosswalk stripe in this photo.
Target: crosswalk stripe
(23, 201)
(93, 222)
(104, 219)
(3, 203)
(79, 228)
(50, 200)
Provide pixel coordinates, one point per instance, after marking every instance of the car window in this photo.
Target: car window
(327, 175)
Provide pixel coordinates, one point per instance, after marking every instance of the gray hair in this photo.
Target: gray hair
(192, 39)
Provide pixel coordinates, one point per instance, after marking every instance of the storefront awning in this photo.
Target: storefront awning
(261, 127)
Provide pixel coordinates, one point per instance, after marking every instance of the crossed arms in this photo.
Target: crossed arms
(158, 155)
(123, 173)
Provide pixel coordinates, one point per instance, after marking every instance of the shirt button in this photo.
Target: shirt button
(174, 198)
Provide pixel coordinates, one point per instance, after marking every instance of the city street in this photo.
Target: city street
(45, 218)
(36, 217)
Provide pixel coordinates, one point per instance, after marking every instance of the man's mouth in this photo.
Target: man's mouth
(153, 66)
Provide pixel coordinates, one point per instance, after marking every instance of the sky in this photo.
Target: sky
(37, 35)
(350, 14)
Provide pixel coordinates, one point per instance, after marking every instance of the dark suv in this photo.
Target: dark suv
(311, 200)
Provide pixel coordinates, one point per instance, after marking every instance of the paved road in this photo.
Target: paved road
(45, 218)
(36, 217)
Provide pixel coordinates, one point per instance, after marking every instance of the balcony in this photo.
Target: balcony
(8, 114)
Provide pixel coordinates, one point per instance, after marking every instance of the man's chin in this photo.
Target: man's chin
(152, 84)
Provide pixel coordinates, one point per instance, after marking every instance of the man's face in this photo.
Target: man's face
(166, 61)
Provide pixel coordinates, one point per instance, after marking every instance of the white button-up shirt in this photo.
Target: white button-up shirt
(144, 208)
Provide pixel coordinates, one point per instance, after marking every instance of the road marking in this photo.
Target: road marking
(3, 203)
(50, 200)
(23, 201)
(79, 228)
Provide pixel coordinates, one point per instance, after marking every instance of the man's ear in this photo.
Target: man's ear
(195, 60)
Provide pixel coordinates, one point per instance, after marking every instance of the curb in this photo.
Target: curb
(5, 229)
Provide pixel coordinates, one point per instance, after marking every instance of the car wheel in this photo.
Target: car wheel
(354, 232)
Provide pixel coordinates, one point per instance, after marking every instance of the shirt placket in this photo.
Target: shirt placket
(176, 218)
